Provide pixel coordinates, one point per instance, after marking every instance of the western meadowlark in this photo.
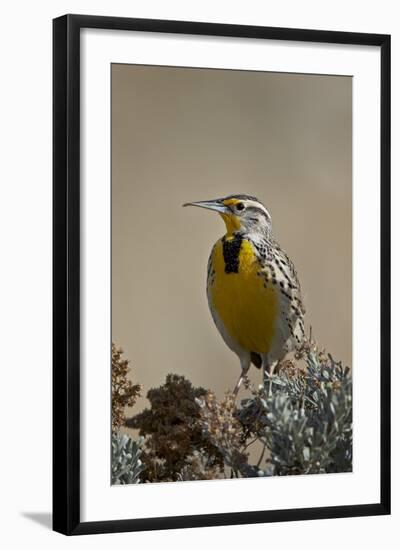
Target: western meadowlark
(252, 286)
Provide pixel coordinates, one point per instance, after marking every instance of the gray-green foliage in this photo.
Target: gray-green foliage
(126, 465)
(304, 421)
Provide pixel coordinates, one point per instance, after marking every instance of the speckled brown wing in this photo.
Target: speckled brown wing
(279, 270)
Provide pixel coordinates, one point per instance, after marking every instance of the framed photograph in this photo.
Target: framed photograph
(227, 362)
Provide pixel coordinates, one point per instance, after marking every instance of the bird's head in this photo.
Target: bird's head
(240, 213)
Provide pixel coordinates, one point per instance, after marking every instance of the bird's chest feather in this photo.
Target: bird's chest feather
(247, 306)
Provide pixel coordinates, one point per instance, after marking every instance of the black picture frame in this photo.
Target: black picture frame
(66, 273)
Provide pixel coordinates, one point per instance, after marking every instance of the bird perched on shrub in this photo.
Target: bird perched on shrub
(252, 286)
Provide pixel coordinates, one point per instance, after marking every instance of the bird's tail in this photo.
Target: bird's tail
(256, 359)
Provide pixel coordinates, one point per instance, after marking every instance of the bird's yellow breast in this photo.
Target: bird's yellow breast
(247, 306)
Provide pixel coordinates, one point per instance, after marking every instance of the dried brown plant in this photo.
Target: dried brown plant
(197, 467)
(223, 430)
(173, 430)
(124, 392)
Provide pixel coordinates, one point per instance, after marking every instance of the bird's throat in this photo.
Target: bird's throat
(232, 223)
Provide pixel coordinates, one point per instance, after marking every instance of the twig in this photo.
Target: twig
(248, 444)
(261, 456)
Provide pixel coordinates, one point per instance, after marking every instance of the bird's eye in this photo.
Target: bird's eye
(240, 206)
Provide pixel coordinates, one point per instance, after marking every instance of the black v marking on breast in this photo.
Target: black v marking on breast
(231, 250)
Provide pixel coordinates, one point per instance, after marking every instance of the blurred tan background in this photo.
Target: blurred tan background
(182, 135)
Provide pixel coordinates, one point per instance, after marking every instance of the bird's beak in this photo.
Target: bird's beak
(215, 205)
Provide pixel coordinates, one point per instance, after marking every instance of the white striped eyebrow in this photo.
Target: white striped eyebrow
(259, 206)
